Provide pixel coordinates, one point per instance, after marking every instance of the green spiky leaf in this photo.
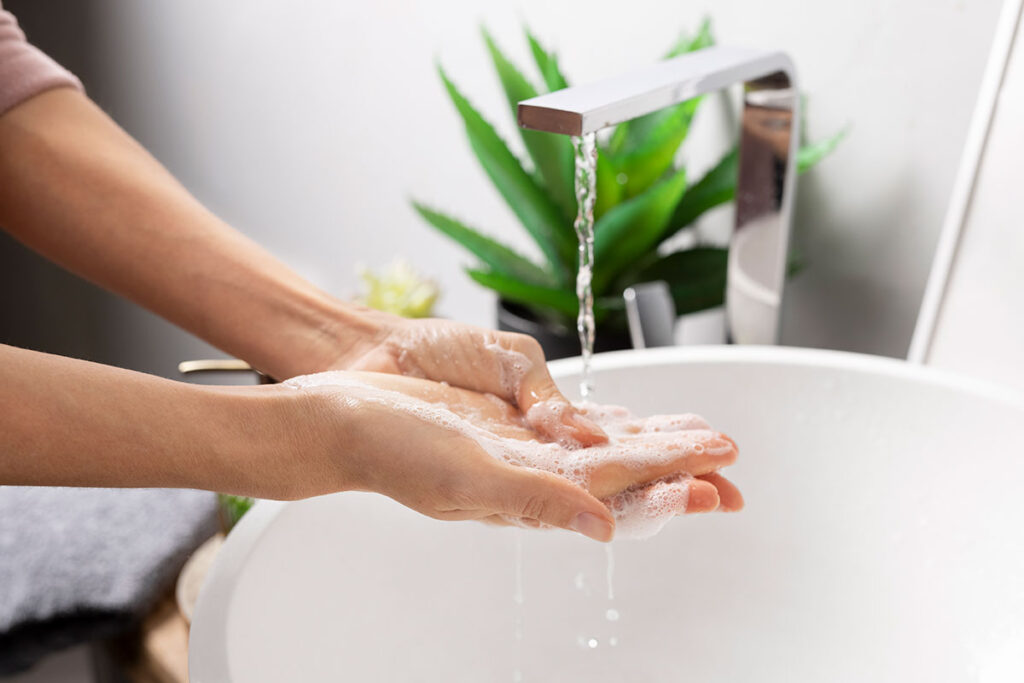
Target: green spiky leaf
(718, 186)
(652, 152)
(687, 43)
(695, 277)
(644, 148)
(609, 189)
(547, 64)
(562, 302)
(634, 227)
(551, 154)
(813, 153)
(499, 257)
(536, 211)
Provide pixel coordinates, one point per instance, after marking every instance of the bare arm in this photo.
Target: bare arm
(445, 452)
(73, 423)
(76, 188)
(79, 190)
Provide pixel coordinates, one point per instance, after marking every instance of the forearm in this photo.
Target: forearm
(72, 423)
(79, 190)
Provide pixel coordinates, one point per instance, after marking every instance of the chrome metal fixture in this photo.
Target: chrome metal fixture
(768, 148)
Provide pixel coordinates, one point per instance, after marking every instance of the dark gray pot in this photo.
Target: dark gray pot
(556, 340)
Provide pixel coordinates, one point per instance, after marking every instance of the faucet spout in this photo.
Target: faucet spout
(768, 147)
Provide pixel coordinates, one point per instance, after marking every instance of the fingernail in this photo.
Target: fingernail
(588, 427)
(719, 446)
(592, 526)
(584, 423)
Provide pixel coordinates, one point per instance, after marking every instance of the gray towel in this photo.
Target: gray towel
(77, 564)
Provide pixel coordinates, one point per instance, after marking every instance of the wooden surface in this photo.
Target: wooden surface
(162, 655)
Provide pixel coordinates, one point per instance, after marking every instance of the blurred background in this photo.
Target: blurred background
(310, 125)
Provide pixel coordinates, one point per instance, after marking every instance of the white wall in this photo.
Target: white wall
(980, 326)
(309, 124)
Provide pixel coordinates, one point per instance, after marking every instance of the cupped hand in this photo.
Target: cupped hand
(452, 453)
(508, 365)
(383, 433)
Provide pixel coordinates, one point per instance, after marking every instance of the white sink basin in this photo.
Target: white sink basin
(881, 541)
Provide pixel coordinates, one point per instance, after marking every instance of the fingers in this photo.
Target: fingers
(704, 497)
(529, 494)
(669, 497)
(508, 365)
(496, 520)
(544, 406)
(557, 419)
(731, 500)
(643, 459)
(551, 414)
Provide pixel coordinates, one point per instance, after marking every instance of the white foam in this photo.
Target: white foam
(634, 443)
(512, 365)
(549, 418)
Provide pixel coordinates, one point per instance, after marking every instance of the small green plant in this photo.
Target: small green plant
(232, 508)
(398, 289)
(643, 199)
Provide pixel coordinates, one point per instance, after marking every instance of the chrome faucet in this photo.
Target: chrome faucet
(767, 158)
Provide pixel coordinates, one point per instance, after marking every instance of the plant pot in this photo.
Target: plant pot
(557, 341)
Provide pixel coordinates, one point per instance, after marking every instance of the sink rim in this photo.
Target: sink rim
(208, 662)
(791, 356)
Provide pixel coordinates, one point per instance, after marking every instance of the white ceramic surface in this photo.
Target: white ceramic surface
(980, 305)
(881, 542)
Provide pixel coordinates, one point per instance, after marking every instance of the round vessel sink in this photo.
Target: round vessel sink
(881, 542)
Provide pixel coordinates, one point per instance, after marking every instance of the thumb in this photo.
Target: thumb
(529, 384)
(550, 413)
(529, 494)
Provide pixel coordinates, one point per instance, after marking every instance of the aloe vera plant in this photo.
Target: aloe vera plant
(643, 199)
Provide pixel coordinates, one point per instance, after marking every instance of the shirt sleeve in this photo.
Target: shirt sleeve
(25, 70)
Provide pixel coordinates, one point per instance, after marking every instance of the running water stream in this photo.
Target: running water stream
(585, 152)
(585, 148)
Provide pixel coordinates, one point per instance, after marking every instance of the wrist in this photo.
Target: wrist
(261, 442)
(331, 337)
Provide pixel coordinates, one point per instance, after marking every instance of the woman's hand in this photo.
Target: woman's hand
(448, 452)
(510, 366)
(383, 433)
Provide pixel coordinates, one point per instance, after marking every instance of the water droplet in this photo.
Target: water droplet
(612, 615)
(622, 179)
(592, 643)
(613, 641)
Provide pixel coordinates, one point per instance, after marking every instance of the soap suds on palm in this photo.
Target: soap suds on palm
(635, 444)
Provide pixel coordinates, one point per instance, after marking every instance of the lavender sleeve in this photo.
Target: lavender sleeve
(24, 70)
